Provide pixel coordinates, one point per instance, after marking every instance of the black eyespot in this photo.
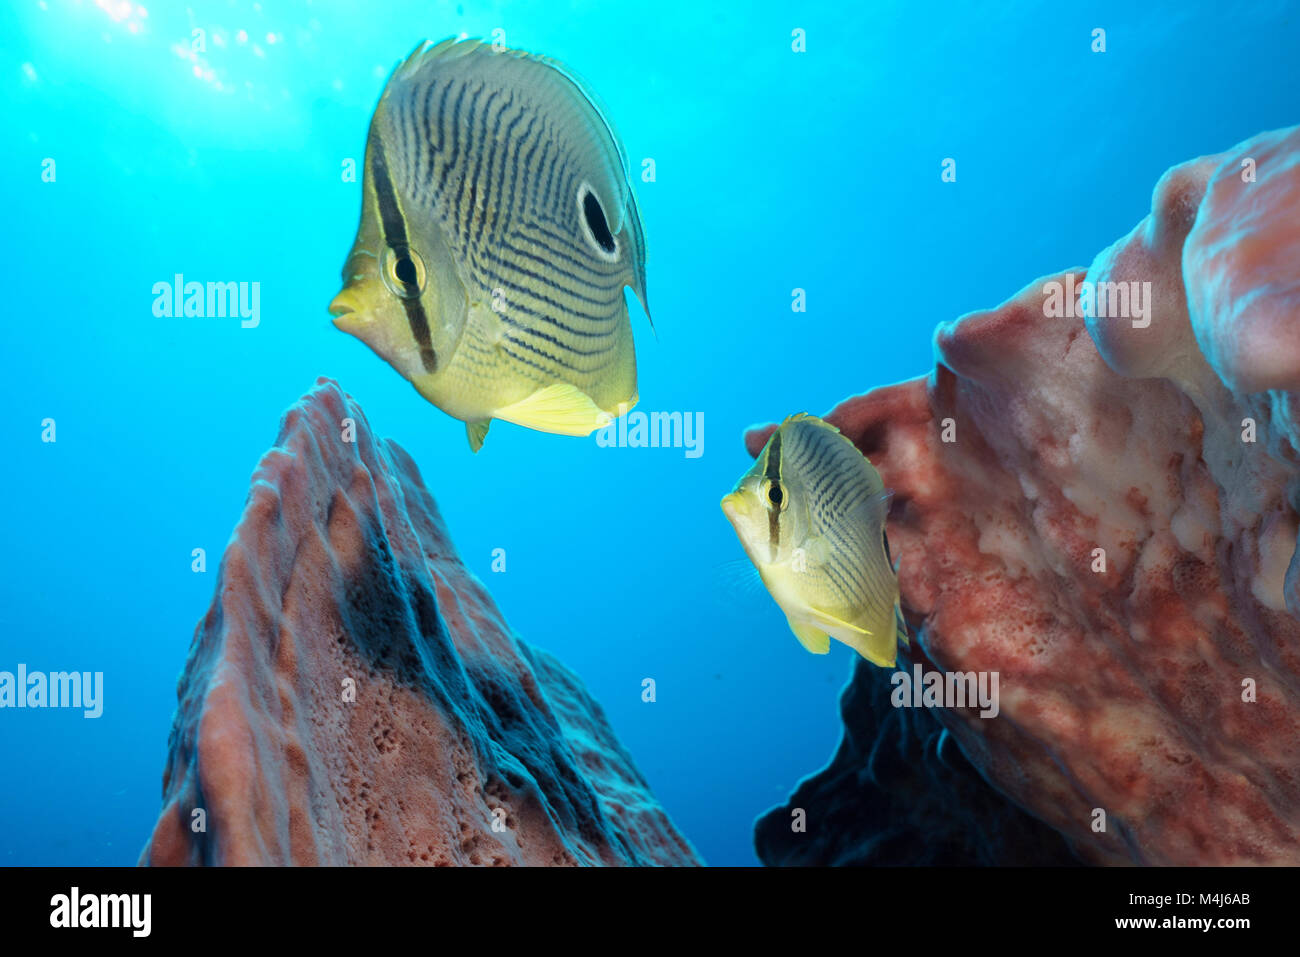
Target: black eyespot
(405, 271)
(595, 217)
(774, 494)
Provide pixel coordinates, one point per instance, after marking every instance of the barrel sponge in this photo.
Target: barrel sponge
(354, 695)
(1240, 260)
(1102, 511)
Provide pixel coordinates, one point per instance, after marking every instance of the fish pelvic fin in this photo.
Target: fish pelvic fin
(811, 637)
(476, 432)
(560, 408)
(834, 622)
(900, 624)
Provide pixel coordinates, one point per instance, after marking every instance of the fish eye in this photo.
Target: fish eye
(595, 227)
(775, 494)
(403, 272)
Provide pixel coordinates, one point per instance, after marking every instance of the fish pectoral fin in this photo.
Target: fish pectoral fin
(814, 639)
(477, 432)
(833, 622)
(560, 408)
(816, 550)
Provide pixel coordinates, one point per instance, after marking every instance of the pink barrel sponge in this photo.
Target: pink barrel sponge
(353, 695)
(1241, 259)
(1099, 508)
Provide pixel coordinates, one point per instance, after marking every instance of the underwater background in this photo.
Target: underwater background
(774, 171)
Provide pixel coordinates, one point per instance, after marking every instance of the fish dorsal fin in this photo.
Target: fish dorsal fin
(478, 55)
(477, 432)
(842, 441)
(572, 108)
(811, 419)
(560, 408)
(811, 637)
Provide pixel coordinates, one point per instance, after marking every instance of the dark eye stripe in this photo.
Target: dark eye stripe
(772, 472)
(772, 466)
(394, 228)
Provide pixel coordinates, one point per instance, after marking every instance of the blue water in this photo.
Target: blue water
(774, 170)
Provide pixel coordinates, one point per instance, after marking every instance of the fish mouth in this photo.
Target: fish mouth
(343, 309)
(736, 508)
(342, 304)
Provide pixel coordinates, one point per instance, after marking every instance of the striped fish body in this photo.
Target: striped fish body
(811, 517)
(498, 231)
